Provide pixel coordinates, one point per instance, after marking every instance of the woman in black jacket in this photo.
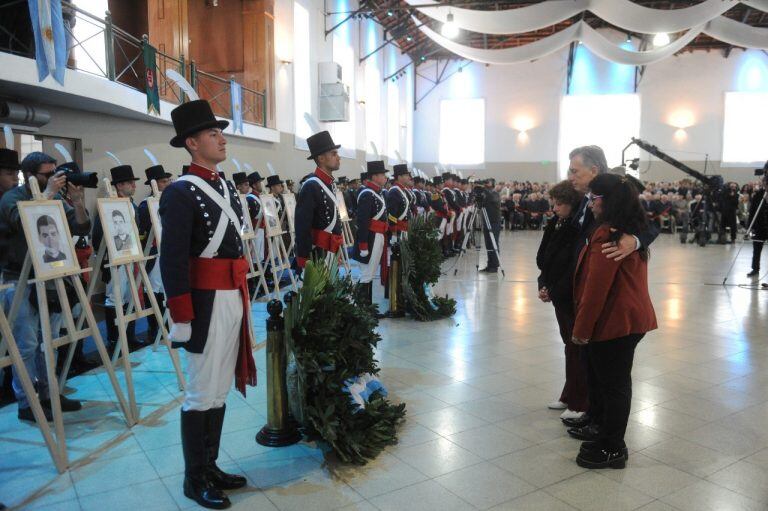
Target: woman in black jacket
(554, 259)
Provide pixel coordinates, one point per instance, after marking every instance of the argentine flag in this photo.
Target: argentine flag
(50, 39)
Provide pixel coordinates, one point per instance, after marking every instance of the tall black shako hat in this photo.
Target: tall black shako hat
(122, 173)
(156, 172)
(320, 143)
(375, 167)
(9, 159)
(274, 180)
(254, 177)
(239, 178)
(401, 169)
(191, 117)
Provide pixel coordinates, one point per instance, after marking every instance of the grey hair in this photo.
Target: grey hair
(591, 155)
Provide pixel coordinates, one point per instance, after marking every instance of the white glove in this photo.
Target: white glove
(363, 253)
(180, 332)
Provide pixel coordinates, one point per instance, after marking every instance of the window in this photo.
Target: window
(373, 105)
(462, 131)
(302, 83)
(91, 53)
(744, 128)
(393, 120)
(608, 121)
(344, 132)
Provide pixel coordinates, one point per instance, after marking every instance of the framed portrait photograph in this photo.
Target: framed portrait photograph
(120, 231)
(50, 243)
(343, 213)
(290, 210)
(246, 230)
(153, 205)
(271, 215)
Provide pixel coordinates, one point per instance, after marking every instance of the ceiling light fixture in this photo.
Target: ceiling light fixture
(450, 30)
(661, 39)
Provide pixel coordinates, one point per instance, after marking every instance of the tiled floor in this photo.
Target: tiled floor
(478, 434)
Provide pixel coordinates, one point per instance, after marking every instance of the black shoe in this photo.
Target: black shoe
(595, 446)
(753, 273)
(603, 458)
(25, 414)
(224, 481)
(489, 270)
(587, 433)
(577, 423)
(213, 426)
(203, 491)
(67, 405)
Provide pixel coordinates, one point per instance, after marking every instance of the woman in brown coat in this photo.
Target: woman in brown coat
(613, 313)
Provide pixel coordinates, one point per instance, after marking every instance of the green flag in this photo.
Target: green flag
(150, 78)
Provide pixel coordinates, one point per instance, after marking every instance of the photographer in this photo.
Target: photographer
(26, 327)
(729, 205)
(759, 227)
(490, 199)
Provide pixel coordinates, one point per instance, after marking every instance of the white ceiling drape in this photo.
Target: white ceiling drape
(705, 17)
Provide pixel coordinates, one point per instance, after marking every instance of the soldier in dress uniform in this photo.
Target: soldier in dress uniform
(399, 200)
(204, 275)
(163, 179)
(256, 210)
(318, 227)
(370, 248)
(442, 213)
(451, 210)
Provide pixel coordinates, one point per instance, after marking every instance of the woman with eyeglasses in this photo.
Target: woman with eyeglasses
(613, 313)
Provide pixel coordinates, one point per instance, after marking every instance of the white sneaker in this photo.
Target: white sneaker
(570, 414)
(557, 405)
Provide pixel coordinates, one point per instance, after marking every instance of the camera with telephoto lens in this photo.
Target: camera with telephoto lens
(77, 177)
(478, 194)
(763, 171)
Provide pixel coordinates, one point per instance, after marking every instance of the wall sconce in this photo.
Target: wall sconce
(681, 119)
(522, 124)
(286, 62)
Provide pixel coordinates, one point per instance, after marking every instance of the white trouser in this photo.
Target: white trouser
(258, 244)
(460, 221)
(126, 287)
(210, 374)
(368, 271)
(449, 227)
(155, 279)
(443, 227)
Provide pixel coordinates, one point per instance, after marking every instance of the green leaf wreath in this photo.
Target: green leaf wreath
(332, 337)
(421, 259)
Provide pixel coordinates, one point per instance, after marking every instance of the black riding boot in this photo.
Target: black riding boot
(198, 485)
(218, 477)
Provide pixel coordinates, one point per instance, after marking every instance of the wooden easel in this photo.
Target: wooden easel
(10, 355)
(132, 312)
(255, 268)
(151, 237)
(278, 255)
(8, 346)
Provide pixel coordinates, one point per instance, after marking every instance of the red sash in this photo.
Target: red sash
(230, 274)
(326, 240)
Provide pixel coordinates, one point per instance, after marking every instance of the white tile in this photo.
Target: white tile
(437, 457)
(152, 495)
(318, 491)
(428, 496)
(591, 491)
(484, 485)
(101, 476)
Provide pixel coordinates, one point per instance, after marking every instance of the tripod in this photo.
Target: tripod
(474, 223)
(746, 237)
